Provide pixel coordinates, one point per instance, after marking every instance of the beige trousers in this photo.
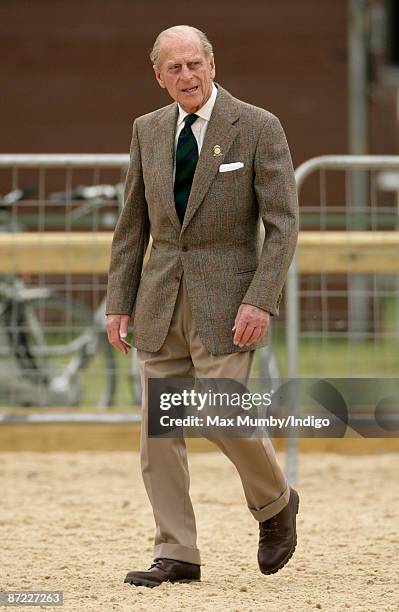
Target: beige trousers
(164, 460)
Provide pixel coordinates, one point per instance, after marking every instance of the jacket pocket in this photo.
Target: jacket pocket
(245, 271)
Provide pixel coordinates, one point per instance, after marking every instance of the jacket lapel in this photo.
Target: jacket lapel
(220, 131)
(163, 161)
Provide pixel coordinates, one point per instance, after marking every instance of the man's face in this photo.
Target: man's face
(185, 71)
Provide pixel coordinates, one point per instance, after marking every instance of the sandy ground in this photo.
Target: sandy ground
(79, 522)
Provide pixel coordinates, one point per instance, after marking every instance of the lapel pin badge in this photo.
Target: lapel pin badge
(217, 151)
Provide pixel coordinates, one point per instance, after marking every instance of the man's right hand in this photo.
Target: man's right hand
(117, 326)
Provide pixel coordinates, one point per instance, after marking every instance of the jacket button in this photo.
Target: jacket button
(185, 248)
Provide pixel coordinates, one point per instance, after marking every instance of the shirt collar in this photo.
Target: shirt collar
(205, 111)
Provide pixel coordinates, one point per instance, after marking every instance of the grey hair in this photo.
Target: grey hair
(179, 31)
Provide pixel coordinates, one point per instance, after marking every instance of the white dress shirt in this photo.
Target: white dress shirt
(200, 125)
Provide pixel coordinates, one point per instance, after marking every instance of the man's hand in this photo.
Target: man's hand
(117, 326)
(250, 325)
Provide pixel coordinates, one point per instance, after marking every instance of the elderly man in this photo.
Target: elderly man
(203, 172)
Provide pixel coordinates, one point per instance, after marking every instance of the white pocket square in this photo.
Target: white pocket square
(230, 167)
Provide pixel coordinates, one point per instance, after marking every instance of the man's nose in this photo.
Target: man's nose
(185, 72)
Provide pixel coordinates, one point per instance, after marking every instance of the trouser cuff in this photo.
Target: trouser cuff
(271, 509)
(178, 552)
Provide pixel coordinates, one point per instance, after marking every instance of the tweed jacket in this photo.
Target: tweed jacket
(218, 246)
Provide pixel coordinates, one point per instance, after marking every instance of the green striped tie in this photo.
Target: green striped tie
(186, 161)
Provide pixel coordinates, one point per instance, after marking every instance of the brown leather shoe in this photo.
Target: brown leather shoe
(277, 537)
(165, 570)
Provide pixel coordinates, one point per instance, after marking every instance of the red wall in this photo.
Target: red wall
(75, 74)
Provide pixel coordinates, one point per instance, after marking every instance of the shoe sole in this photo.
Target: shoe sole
(150, 584)
(288, 557)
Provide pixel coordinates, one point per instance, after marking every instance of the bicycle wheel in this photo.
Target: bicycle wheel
(64, 358)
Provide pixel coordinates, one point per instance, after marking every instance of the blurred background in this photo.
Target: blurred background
(73, 77)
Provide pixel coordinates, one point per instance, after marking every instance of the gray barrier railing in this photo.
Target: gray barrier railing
(355, 187)
(64, 160)
(40, 251)
(356, 190)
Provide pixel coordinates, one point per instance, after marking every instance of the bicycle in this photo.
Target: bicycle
(57, 345)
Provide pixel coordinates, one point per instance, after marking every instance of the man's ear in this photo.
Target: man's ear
(213, 68)
(158, 77)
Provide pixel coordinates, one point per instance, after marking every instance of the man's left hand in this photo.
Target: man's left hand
(250, 325)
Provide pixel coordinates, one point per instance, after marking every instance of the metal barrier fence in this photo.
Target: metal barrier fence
(53, 347)
(340, 316)
(342, 307)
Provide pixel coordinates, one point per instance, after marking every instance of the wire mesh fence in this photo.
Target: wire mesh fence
(56, 218)
(344, 281)
(57, 214)
(342, 287)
